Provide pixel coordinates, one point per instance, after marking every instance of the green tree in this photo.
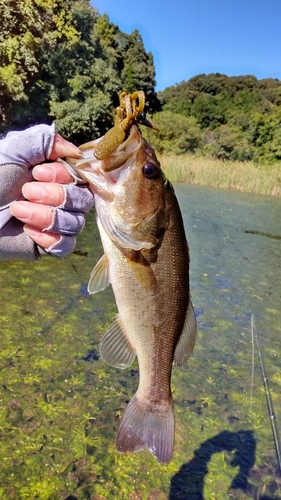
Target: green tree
(30, 29)
(62, 61)
(138, 71)
(134, 66)
(81, 93)
(209, 111)
(178, 99)
(177, 134)
(266, 137)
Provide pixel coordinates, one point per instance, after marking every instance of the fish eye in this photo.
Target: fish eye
(150, 171)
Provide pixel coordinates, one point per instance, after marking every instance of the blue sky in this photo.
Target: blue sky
(189, 37)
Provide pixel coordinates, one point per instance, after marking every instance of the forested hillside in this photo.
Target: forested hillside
(237, 118)
(61, 60)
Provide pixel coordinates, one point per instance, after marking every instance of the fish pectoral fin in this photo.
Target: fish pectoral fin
(135, 239)
(99, 278)
(144, 239)
(144, 428)
(115, 347)
(187, 339)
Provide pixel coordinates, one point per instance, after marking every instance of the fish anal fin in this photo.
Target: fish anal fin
(187, 339)
(144, 428)
(115, 347)
(99, 278)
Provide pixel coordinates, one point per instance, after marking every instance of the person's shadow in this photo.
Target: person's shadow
(188, 482)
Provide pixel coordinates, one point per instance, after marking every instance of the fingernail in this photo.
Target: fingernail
(33, 191)
(72, 149)
(30, 231)
(20, 210)
(44, 173)
(62, 148)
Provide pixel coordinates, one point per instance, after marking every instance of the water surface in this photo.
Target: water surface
(61, 405)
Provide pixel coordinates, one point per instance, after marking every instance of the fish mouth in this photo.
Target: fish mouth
(114, 161)
(102, 175)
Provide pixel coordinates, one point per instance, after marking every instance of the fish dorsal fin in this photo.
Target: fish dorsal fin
(99, 278)
(187, 339)
(115, 347)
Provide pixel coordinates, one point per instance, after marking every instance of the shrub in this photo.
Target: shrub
(177, 134)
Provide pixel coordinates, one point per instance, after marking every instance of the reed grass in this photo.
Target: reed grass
(240, 176)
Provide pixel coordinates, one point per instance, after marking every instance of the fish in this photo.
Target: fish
(146, 261)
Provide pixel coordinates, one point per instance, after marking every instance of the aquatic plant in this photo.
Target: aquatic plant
(243, 176)
(60, 405)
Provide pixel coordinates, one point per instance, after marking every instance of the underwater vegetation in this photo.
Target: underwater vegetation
(60, 405)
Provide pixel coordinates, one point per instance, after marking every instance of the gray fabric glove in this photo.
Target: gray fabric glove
(19, 153)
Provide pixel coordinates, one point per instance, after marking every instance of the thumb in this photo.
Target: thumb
(62, 148)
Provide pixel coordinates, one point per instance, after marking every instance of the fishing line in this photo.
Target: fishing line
(275, 432)
(253, 362)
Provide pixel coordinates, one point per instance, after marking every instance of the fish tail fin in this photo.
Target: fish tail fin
(144, 427)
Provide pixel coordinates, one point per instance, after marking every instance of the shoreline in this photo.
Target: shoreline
(238, 176)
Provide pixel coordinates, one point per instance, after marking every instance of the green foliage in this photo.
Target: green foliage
(30, 30)
(266, 136)
(239, 117)
(62, 61)
(178, 134)
(134, 66)
(209, 111)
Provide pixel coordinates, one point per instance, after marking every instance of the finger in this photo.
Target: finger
(67, 197)
(62, 148)
(48, 219)
(43, 192)
(52, 172)
(44, 240)
(68, 223)
(33, 214)
(56, 245)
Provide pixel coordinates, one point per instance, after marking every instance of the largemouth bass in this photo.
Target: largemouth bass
(146, 260)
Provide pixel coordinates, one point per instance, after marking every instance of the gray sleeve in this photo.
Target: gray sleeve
(15, 244)
(20, 151)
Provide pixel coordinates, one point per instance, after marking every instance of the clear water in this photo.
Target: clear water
(60, 405)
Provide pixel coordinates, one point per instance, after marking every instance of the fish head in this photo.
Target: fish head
(139, 190)
(129, 188)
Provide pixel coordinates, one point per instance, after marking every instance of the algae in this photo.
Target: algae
(60, 405)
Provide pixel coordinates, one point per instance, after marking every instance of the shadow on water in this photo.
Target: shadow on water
(188, 482)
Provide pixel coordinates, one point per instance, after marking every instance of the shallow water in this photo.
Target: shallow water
(61, 405)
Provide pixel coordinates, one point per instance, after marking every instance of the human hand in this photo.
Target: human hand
(52, 211)
(54, 189)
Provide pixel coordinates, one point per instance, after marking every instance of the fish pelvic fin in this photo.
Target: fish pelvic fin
(115, 347)
(144, 428)
(187, 339)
